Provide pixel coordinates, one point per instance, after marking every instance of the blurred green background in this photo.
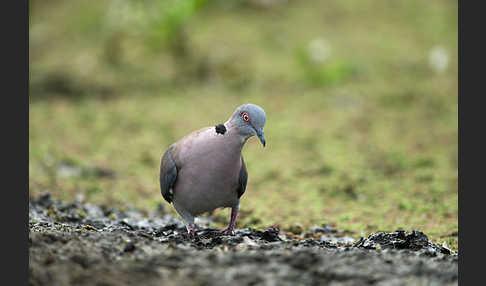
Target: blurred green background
(360, 96)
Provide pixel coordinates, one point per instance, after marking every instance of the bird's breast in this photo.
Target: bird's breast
(208, 176)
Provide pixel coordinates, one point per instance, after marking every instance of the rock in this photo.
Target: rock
(322, 229)
(296, 228)
(129, 247)
(414, 240)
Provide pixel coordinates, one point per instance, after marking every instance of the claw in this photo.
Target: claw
(228, 231)
(191, 230)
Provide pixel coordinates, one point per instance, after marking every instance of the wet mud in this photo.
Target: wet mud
(78, 243)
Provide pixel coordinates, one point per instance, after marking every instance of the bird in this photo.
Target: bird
(205, 169)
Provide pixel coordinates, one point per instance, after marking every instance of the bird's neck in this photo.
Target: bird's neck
(232, 132)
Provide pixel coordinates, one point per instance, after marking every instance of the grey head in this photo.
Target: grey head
(249, 120)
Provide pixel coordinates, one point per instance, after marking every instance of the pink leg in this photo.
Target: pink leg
(231, 227)
(191, 229)
(188, 219)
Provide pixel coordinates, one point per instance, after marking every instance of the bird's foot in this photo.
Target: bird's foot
(191, 231)
(228, 231)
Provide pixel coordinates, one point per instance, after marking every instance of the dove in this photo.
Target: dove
(205, 169)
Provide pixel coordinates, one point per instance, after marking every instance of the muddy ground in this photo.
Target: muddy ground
(79, 243)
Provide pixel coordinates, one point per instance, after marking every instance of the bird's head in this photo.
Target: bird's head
(249, 120)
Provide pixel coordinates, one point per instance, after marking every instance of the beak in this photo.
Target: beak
(261, 136)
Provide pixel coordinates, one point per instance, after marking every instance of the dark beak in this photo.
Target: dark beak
(261, 137)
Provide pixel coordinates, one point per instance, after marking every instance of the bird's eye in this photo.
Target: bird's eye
(245, 116)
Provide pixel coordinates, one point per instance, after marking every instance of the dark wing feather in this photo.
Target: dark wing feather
(168, 175)
(243, 179)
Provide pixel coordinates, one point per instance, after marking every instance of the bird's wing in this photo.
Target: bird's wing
(243, 179)
(168, 175)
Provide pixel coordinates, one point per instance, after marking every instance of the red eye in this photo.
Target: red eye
(245, 116)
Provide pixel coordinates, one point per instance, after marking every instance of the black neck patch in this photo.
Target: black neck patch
(220, 129)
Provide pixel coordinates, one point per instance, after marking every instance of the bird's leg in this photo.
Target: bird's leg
(231, 227)
(191, 229)
(188, 219)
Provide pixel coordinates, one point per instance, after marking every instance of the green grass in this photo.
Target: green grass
(365, 140)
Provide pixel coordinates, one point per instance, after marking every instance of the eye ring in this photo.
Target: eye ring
(245, 116)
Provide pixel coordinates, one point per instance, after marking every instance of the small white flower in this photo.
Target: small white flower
(319, 50)
(438, 59)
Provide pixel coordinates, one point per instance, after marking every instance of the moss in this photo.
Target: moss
(81, 213)
(89, 227)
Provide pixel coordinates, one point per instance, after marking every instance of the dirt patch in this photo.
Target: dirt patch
(83, 244)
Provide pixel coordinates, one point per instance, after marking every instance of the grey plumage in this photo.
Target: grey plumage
(205, 169)
(243, 179)
(168, 175)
